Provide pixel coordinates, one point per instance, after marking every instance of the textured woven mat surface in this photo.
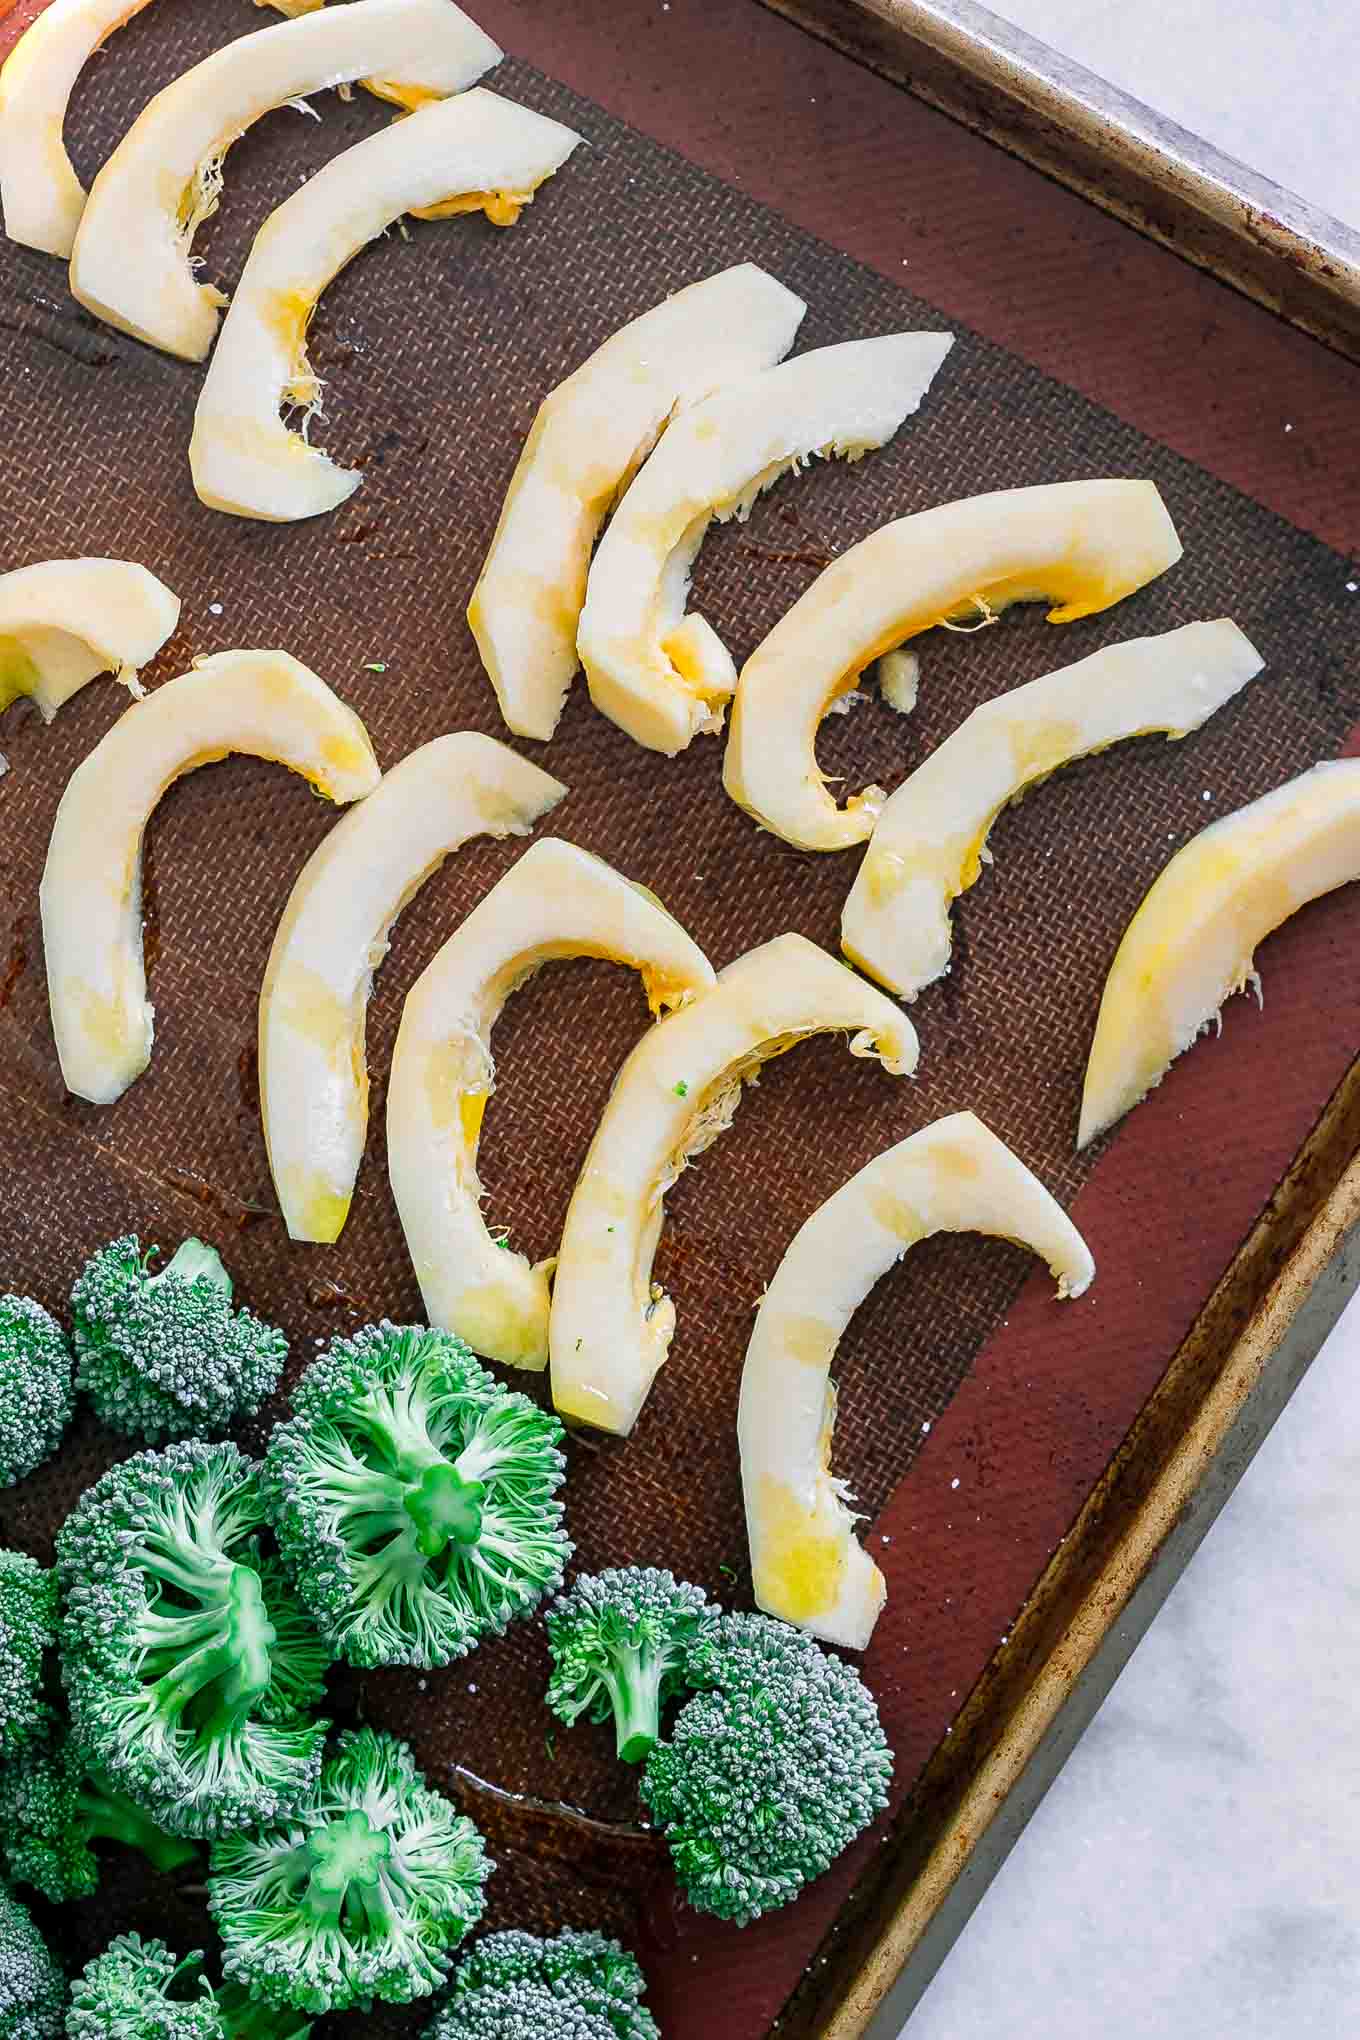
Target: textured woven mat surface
(435, 349)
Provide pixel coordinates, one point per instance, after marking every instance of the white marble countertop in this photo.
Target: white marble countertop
(1194, 1873)
(1275, 83)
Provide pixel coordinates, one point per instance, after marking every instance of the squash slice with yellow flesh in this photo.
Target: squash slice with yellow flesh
(334, 934)
(1080, 545)
(930, 842)
(807, 1565)
(131, 262)
(557, 901)
(589, 439)
(1192, 943)
(263, 703)
(472, 153)
(63, 622)
(664, 675)
(41, 194)
(611, 1327)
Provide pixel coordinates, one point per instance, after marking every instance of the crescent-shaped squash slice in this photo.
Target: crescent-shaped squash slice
(334, 934)
(954, 1176)
(132, 258)
(1079, 545)
(62, 622)
(474, 152)
(674, 1095)
(589, 439)
(262, 703)
(557, 901)
(930, 842)
(1192, 942)
(663, 676)
(42, 196)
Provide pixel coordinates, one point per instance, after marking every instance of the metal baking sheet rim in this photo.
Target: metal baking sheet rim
(1148, 171)
(1233, 1375)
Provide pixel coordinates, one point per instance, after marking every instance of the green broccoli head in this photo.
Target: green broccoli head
(36, 1396)
(770, 1772)
(514, 1984)
(54, 1808)
(28, 1628)
(519, 2011)
(138, 1990)
(363, 1893)
(618, 1641)
(414, 1498)
(191, 1671)
(166, 1356)
(32, 1987)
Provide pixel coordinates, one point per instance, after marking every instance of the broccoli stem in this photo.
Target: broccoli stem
(441, 1504)
(344, 1863)
(229, 1669)
(633, 1679)
(110, 1817)
(444, 1508)
(195, 1261)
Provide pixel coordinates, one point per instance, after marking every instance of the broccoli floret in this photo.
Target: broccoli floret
(190, 1670)
(35, 1387)
(769, 1773)
(166, 1356)
(54, 1807)
(32, 1987)
(514, 1984)
(363, 1893)
(414, 1498)
(28, 1628)
(520, 2011)
(618, 1640)
(138, 1990)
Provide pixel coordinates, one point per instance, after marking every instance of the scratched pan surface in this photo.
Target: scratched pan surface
(435, 349)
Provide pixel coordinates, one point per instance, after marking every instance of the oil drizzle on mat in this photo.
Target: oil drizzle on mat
(215, 1197)
(549, 1830)
(326, 1293)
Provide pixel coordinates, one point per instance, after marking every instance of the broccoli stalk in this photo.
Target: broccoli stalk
(345, 1866)
(244, 2018)
(105, 1815)
(363, 1893)
(28, 1629)
(190, 1670)
(36, 1396)
(54, 1807)
(413, 1498)
(771, 1771)
(579, 1986)
(618, 1641)
(194, 1261)
(165, 1355)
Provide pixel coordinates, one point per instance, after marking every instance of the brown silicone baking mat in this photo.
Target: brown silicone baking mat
(435, 347)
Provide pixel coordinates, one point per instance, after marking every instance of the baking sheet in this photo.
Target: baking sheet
(435, 351)
(1125, 155)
